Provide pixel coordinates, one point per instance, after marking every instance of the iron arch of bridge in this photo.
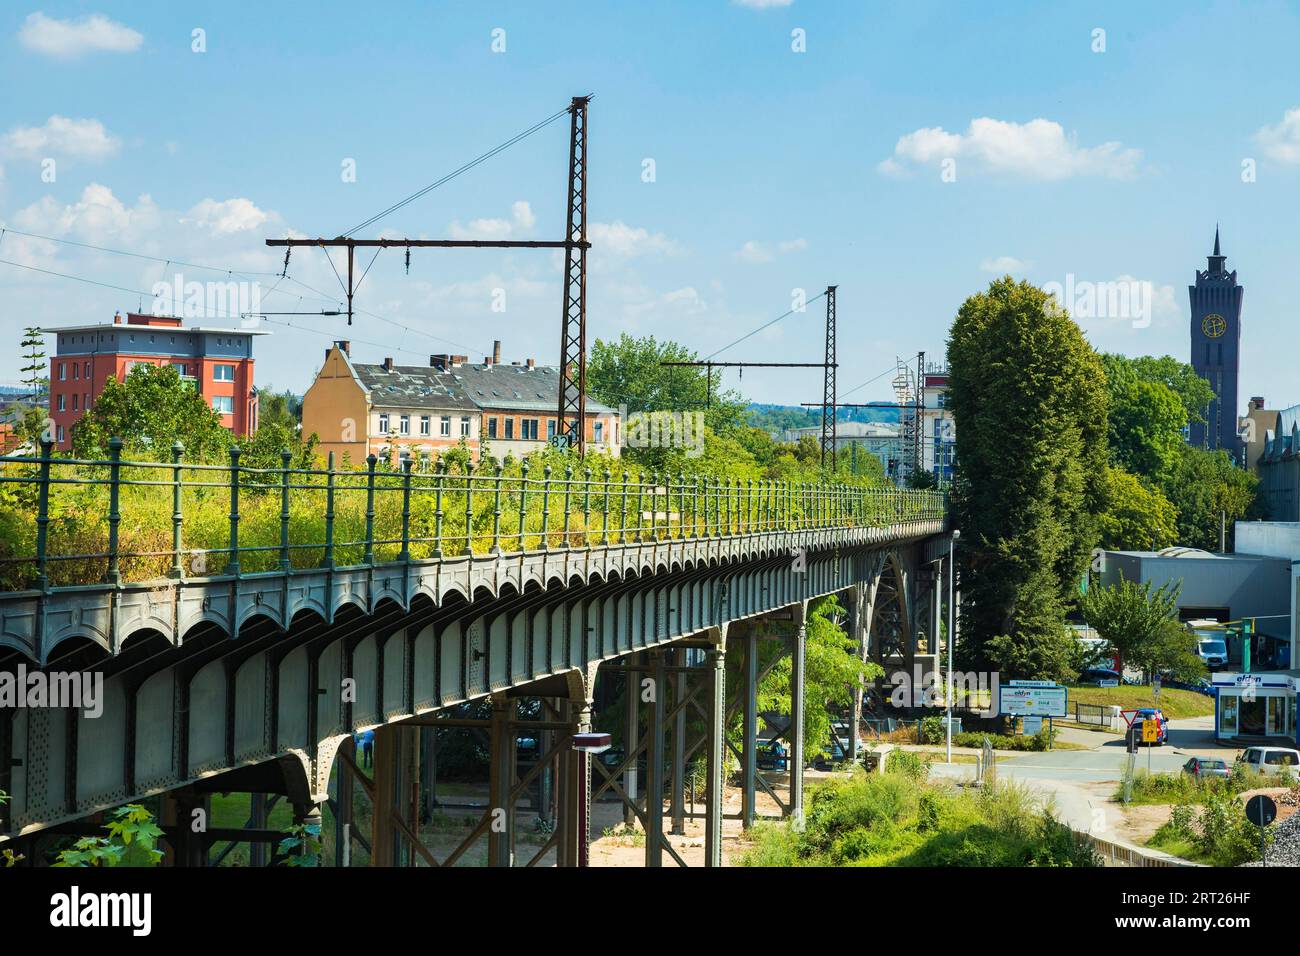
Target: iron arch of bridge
(202, 677)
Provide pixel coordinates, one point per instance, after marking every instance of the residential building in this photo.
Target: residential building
(1278, 464)
(356, 409)
(880, 439)
(217, 361)
(938, 426)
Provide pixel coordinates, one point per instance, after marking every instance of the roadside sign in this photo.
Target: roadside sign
(1261, 810)
(1150, 731)
(1032, 699)
(1031, 725)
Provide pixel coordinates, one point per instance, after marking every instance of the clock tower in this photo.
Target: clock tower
(1216, 347)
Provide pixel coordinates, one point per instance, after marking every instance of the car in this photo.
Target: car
(1204, 768)
(833, 753)
(1142, 715)
(1270, 760)
(771, 755)
(1100, 677)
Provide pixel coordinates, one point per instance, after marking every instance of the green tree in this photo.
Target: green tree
(1141, 623)
(278, 408)
(33, 345)
(152, 408)
(1029, 397)
(832, 669)
(1205, 488)
(1139, 516)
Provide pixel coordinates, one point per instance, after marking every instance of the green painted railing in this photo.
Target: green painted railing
(66, 521)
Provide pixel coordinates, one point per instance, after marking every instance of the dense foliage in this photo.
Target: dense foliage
(1028, 394)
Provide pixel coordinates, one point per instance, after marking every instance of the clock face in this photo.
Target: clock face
(1213, 325)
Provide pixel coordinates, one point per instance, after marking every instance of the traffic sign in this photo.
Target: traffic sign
(1261, 810)
(1150, 730)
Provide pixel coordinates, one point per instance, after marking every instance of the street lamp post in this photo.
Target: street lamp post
(952, 633)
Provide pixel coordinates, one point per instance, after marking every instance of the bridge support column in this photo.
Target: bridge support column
(631, 734)
(501, 776)
(857, 633)
(716, 705)
(678, 782)
(383, 833)
(575, 793)
(796, 712)
(654, 775)
(750, 690)
(343, 822)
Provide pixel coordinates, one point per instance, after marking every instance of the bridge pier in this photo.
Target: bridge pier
(654, 783)
(677, 783)
(716, 734)
(800, 612)
(749, 688)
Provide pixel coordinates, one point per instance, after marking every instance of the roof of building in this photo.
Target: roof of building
(410, 386)
(507, 387)
(172, 329)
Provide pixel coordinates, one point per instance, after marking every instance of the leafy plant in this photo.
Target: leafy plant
(302, 847)
(132, 841)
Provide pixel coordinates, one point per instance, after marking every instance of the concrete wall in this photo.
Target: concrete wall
(1279, 539)
(1248, 585)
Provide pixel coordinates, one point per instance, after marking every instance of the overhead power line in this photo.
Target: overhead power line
(765, 325)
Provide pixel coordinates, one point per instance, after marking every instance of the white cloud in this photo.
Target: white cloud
(71, 38)
(623, 240)
(758, 252)
(762, 4)
(1282, 141)
(1003, 265)
(1039, 149)
(60, 137)
(687, 300)
(521, 220)
(96, 216)
(227, 216)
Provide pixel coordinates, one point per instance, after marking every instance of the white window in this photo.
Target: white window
(550, 429)
(404, 425)
(598, 431)
(63, 371)
(223, 373)
(383, 423)
(87, 375)
(223, 404)
(444, 426)
(75, 371)
(464, 427)
(426, 427)
(62, 402)
(60, 433)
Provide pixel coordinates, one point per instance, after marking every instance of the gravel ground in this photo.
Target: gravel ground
(1285, 850)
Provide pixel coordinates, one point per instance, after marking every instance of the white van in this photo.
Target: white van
(1211, 646)
(1270, 760)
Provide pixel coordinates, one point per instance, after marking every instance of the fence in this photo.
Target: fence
(75, 521)
(1097, 715)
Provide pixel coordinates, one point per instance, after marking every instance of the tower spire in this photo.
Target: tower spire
(1216, 238)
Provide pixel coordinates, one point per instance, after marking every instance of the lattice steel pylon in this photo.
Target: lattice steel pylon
(828, 382)
(572, 415)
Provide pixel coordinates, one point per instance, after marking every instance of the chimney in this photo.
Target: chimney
(344, 346)
(459, 359)
(532, 363)
(487, 361)
(440, 361)
(496, 351)
(117, 318)
(1257, 402)
(388, 364)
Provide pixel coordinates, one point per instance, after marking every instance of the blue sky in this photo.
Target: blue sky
(774, 169)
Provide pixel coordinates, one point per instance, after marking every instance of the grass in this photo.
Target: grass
(1217, 833)
(1175, 703)
(901, 819)
(546, 510)
(1160, 788)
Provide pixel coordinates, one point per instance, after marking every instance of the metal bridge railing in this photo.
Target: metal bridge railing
(68, 521)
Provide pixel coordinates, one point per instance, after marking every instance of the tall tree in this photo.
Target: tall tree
(1029, 397)
(1207, 489)
(1151, 403)
(1139, 517)
(1141, 624)
(33, 345)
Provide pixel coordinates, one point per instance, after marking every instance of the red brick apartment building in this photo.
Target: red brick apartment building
(218, 361)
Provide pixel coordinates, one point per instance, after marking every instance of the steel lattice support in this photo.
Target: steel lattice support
(828, 382)
(572, 416)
